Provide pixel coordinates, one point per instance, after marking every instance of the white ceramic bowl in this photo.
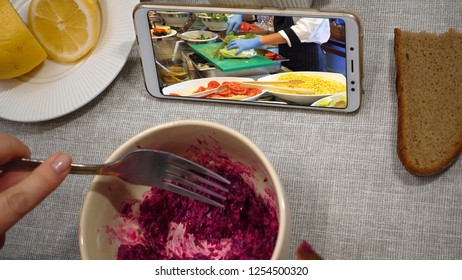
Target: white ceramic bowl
(305, 99)
(106, 193)
(199, 37)
(177, 19)
(214, 24)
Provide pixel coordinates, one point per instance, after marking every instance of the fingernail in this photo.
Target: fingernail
(61, 163)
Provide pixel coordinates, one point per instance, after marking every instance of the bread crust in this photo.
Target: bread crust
(425, 146)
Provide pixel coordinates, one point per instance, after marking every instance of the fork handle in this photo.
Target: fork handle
(31, 164)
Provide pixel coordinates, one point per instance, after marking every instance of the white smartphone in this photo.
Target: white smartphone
(184, 56)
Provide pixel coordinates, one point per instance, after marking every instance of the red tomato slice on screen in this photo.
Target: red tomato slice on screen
(252, 91)
(213, 84)
(236, 88)
(200, 89)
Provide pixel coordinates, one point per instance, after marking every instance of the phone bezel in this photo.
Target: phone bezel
(353, 50)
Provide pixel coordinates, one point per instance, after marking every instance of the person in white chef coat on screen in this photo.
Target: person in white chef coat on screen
(298, 38)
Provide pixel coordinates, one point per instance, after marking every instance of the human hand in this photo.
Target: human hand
(244, 44)
(21, 191)
(234, 23)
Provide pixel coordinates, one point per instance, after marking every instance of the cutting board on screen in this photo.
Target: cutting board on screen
(230, 64)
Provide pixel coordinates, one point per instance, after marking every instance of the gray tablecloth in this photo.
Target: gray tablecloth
(349, 195)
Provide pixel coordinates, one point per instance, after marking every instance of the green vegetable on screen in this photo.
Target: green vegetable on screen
(219, 17)
(326, 102)
(330, 102)
(202, 37)
(232, 36)
(225, 53)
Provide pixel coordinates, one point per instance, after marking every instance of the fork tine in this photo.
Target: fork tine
(182, 181)
(190, 176)
(192, 166)
(181, 191)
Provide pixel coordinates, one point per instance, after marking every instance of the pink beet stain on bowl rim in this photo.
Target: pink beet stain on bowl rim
(164, 225)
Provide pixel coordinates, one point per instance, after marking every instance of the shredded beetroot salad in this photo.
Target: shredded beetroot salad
(164, 225)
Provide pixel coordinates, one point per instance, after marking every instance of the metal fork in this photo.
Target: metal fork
(150, 168)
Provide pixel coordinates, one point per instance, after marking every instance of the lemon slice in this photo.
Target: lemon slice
(67, 29)
(19, 51)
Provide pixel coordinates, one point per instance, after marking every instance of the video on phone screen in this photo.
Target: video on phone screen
(250, 58)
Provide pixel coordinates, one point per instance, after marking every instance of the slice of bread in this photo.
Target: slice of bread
(429, 86)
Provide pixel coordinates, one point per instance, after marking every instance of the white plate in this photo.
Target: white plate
(187, 88)
(193, 36)
(333, 98)
(304, 99)
(173, 33)
(55, 89)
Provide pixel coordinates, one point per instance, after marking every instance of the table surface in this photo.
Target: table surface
(349, 195)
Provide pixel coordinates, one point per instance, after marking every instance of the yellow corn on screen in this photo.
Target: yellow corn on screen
(320, 85)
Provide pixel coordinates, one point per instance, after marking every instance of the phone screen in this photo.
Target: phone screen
(279, 60)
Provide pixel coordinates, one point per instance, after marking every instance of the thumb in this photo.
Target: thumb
(230, 27)
(18, 200)
(236, 28)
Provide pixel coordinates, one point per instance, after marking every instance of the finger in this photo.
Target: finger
(17, 201)
(230, 27)
(11, 147)
(10, 178)
(231, 45)
(236, 27)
